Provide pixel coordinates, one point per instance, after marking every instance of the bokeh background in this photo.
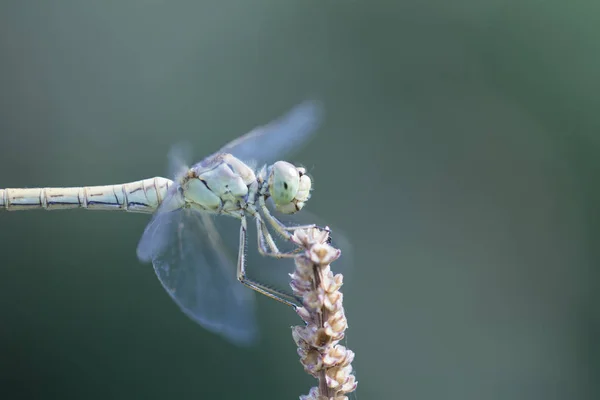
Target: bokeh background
(460, 154)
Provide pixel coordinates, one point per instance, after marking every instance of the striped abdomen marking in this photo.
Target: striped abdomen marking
(141, 196)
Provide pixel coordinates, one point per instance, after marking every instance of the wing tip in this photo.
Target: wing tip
(310, 112)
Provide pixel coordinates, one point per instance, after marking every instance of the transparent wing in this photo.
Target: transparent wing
(194, 267)
(269, 143)
(178, 158)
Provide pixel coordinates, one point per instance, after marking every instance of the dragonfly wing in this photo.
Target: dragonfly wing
(178, 159)
(271, 142)
(198, 273)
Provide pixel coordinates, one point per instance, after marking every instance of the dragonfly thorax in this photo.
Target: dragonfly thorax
(289, 186)
(218, 184)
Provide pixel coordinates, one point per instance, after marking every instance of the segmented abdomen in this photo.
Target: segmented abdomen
(141, 196)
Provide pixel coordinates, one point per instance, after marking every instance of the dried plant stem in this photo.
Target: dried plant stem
(318, 341)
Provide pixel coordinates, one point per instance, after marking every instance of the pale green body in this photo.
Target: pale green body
(141, 196)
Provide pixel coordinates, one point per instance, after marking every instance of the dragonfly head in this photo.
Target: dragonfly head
(289, 187)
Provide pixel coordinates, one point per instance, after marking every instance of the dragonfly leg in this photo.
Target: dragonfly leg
(266, 243)
(265, 240)
(257, 286)
(279, 226)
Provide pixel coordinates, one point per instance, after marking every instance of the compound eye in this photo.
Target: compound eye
(284, 182)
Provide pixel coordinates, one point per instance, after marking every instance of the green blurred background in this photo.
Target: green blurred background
(459, 153)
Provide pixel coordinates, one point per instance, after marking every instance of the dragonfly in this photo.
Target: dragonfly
(183, 241)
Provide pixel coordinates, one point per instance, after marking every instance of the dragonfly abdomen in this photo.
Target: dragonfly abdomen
(141, 196)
